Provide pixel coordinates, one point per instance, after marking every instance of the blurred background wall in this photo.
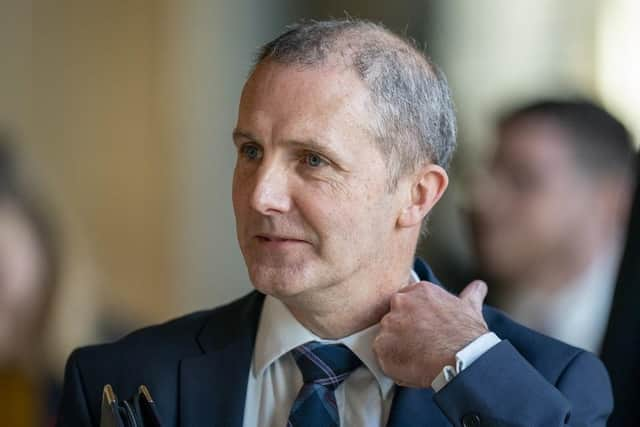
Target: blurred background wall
(125, 109)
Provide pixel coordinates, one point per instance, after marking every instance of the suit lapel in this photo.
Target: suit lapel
(415, 407)
(213, 386)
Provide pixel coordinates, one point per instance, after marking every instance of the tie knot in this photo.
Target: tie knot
(325, 364)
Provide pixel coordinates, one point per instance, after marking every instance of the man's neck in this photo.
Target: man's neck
(347, 308)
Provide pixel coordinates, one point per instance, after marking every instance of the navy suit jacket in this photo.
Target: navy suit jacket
(197, 368)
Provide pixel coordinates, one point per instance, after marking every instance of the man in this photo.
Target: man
(344, 132)
(549, 226)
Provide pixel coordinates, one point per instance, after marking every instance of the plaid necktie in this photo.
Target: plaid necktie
(324, 367)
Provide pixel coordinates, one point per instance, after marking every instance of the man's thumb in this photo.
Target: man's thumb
(475, 293)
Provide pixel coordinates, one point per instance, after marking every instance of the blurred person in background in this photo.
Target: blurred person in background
(28, 281)
(549, 222)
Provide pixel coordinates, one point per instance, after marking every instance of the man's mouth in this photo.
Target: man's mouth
(270, 238)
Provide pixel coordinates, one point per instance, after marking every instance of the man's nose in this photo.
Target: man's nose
(271, 190)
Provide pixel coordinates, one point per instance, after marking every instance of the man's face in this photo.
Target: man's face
(309, 190)
(534, 203)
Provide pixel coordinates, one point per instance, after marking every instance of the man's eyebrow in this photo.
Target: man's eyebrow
(313, 145)
(237, 133)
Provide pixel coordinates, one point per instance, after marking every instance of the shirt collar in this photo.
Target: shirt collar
(279, 332)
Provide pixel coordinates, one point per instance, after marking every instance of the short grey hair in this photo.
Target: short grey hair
(414, 119)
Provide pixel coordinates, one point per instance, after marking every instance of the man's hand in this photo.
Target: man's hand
(425, 327)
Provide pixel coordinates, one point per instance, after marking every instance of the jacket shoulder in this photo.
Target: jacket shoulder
(176, 338)
(548, 355)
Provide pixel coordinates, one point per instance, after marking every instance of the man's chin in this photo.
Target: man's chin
(279, 282)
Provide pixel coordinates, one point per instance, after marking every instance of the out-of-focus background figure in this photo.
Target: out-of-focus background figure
(550, 219)
(48, 299)
(29, 273)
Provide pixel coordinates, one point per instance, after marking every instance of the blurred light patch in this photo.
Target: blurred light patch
(618, 61)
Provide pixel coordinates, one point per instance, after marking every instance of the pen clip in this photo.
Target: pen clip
(110, 414)
(144, 392)
(108, 395)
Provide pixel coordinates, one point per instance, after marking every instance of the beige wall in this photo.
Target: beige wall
(15, 51)
(95, 131)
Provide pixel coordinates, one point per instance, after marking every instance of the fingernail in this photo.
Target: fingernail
(481, 286)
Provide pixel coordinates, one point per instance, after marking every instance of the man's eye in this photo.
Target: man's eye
(314, 160)
(251, 152)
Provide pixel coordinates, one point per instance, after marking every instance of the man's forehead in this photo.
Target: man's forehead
(307, 98)
(327, 81)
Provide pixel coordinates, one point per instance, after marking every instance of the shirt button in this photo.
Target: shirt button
(471, 420)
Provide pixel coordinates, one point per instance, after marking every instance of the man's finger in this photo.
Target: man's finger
(475, 293)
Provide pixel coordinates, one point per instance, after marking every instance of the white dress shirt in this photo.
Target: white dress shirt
(364, 398)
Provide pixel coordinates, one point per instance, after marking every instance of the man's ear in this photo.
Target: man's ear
(427, 186)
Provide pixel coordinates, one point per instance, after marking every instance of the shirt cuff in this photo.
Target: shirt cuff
(464, 359)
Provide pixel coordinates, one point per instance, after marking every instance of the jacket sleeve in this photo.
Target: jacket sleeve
(502, 389)
(74, 409)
